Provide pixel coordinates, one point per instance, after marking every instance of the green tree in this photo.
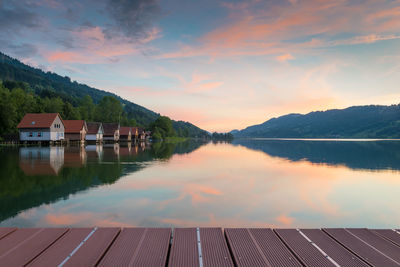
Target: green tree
(162, 128)
(125, 121)
(70, 112)
(87, 108)
(8, 112)
(109, 109)
(23, 102)
(53, 105)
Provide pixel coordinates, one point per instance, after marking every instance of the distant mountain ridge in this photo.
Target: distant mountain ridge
(14, 70)
(371, 121)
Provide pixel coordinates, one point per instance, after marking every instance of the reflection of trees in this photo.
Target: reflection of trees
(23, 186)
(356, 155)
(19, 191)
(162, 150)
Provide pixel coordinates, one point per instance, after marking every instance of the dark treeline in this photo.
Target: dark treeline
(17, 99)
(222, 136)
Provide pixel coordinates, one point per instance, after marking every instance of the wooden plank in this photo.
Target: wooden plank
(10, 241)
(273, 248)
(124, 247)
(31, 247)
(389, 235)
(6, 231)
(139, 247)
(154, 248)
(91, 252)
(386, 247)
(62, 248)
(359, 247)
(184, 251)
(332, 248)
(214, 248)
(245, 251)
(303, 249)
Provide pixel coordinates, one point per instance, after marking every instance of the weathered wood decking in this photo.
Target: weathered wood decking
(198, 247)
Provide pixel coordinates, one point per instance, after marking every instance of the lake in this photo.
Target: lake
(246, 183)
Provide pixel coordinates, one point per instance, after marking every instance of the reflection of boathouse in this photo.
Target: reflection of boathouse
(110, 152)
(94, 152)
(74, 156)
(41, 160)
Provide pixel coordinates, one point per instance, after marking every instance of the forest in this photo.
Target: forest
(25, 89)
(17, 99)
(371, 121)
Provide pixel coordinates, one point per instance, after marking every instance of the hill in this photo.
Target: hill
(371, 121)
(46, 84)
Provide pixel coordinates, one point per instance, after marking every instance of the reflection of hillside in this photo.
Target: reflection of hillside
(356, 155)
(19, 191)
(30, 177)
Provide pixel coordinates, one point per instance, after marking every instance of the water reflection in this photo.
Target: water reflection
(244, 184)
(369, 155)
(32, 176)
(41, 160)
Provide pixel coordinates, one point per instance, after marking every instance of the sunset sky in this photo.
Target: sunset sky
(221, 65)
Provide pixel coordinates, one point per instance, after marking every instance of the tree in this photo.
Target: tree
(109, 109)
(163, 127)
(7, 112)
(53, 105)
(156, 134)
(23, 102)
(125, 121)
(87, 108)
(70, 112)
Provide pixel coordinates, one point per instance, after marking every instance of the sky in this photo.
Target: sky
(221, 65)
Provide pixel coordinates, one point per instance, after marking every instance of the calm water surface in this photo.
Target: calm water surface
(249, 183)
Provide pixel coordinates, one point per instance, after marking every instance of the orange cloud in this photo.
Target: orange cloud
(284, 57)
(67, 218)
(285, 220)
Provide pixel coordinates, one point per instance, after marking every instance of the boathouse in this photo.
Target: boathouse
(94, 132)
(135, 133)
(125, 134)
(111, 132)
(141, 134)
(75, 130)
(41, 127)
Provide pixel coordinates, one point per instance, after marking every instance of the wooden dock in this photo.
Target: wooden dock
(198, 247)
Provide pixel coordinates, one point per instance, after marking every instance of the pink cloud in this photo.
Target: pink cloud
(366, 39)
(65, 56)
(92, 46)
(254, 30)
(284, 57)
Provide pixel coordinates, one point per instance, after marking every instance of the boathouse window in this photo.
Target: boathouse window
(30, 134)
(39, 134)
